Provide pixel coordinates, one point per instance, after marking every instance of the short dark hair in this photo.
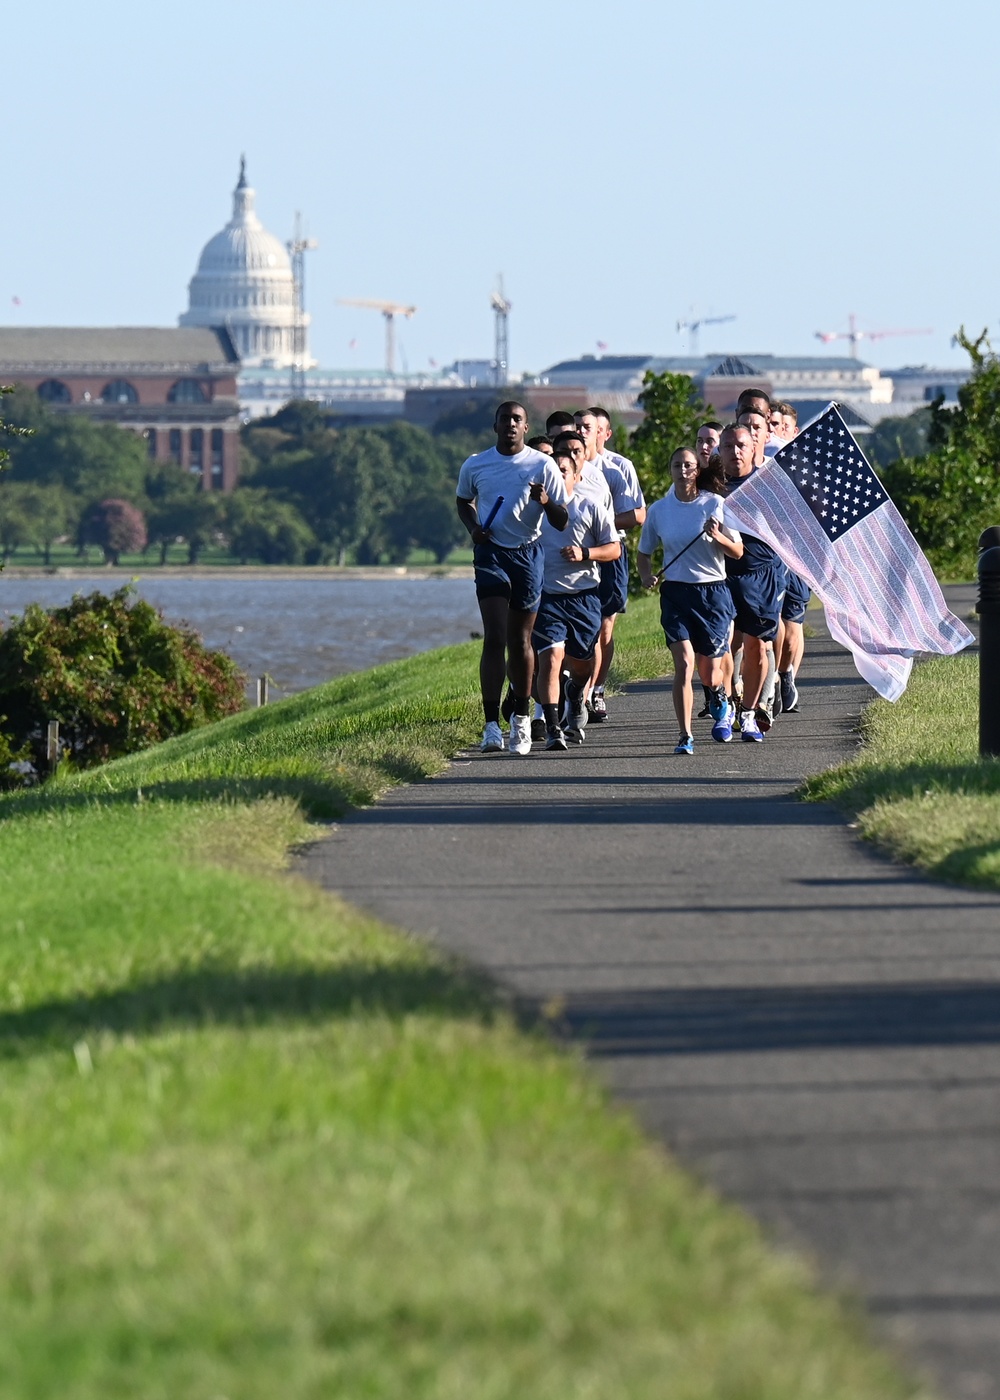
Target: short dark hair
(540, 441)
(735, 428)
(509, 403)
(564, 438)
(596, 411)
(559, 419)
(756, 411)
(712, 423)
(748, 395)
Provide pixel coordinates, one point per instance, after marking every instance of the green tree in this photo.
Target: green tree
(261, 526)
(892, 438)
(35, 515)
(674, 412)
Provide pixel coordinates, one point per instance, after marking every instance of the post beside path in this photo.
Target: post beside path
(988, 608)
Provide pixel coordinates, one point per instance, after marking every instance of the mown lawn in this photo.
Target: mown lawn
(254, 1144)
(918, 786)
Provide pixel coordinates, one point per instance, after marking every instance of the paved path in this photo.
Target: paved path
(813, 1029)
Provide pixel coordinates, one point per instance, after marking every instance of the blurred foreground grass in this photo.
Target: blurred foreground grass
(254, 1144)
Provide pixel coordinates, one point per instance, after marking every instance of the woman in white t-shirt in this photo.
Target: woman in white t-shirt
(696, 607)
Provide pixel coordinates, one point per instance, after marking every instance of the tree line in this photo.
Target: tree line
(308, 492)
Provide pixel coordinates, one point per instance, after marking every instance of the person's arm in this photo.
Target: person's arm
(596, 553)
(469, 517)
(557, 515)
(644, 564)
(731, 545)
(629, 519)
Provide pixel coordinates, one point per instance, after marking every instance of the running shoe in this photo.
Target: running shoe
(686, 744)
(765, 716)
(575, 712)
(520, 735)
(574, 736)
(492, 738)
(706, 709)
(777, 704)
(722, 729)
(555, 738)
(598, 707)
(538, 730)
(749, 730)
(718, 705)
(789, 691)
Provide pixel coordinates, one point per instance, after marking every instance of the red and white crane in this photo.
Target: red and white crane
(854, 335)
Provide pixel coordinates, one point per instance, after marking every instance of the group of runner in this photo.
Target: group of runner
(549, 516)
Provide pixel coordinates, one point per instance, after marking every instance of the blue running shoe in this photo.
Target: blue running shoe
(718, 704)
(686, 744)
(722, 729)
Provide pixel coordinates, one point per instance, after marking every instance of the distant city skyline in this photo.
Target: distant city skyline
(428, 151)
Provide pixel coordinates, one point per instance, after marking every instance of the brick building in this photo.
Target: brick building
(177, 388)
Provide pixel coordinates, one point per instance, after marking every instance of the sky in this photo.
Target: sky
(623, 166)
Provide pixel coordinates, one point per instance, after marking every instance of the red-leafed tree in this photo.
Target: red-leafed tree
(116, 526)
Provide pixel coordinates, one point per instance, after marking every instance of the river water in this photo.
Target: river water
(298, 631)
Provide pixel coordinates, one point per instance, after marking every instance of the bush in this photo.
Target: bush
(113, 673)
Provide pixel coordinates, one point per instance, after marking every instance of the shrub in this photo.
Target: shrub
(113, 673)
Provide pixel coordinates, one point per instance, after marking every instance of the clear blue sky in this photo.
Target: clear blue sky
(620, 164)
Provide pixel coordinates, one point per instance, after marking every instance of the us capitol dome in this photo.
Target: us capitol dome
(245, 283)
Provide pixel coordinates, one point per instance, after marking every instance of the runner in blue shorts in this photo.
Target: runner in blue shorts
(508, 563)
(785, 423)
(757, 582)
(569, 617)
(630, 512)
(696, 607)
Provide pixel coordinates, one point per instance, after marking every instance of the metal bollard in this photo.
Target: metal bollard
(988, 608)
(263, 690)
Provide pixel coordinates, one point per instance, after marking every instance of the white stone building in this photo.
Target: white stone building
(244, 282)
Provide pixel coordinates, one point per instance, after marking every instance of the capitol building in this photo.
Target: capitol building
(245, 283)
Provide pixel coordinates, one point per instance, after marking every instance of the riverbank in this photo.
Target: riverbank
(111, 577)
(257, 1143)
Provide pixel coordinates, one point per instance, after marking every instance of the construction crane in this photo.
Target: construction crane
(501, 310)
(695, 326)
(390, 310)
(297, 248)
(854, 335)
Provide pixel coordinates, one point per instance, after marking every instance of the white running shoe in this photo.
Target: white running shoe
(520, 735)
(492, 738)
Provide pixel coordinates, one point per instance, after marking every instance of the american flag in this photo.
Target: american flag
(818, 503)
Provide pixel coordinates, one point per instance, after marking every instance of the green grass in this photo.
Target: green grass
(254, 1144)
(918, 787)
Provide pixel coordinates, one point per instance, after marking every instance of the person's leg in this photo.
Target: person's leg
(549, 670)
(606, 650)
(520, 657)
(792, 649)
(682, 689)
(754, 670)
(492, 663)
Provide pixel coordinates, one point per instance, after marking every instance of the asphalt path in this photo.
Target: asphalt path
(811, 1028)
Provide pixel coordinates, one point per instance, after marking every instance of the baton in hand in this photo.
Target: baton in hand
(492, 515)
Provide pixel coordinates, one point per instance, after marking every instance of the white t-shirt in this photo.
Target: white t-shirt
(620, 474)
(594, 485)
(490, 474)
(672, 524)
(590, 523)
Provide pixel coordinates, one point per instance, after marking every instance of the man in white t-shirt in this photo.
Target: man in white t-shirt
(630, 512)
(503, 494)
(569, 617)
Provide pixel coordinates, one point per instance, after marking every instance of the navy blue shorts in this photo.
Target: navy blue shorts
(613, 587)
(514, 574)
(757, 598)
(570, 618)
(797, 596)
(699, 613)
